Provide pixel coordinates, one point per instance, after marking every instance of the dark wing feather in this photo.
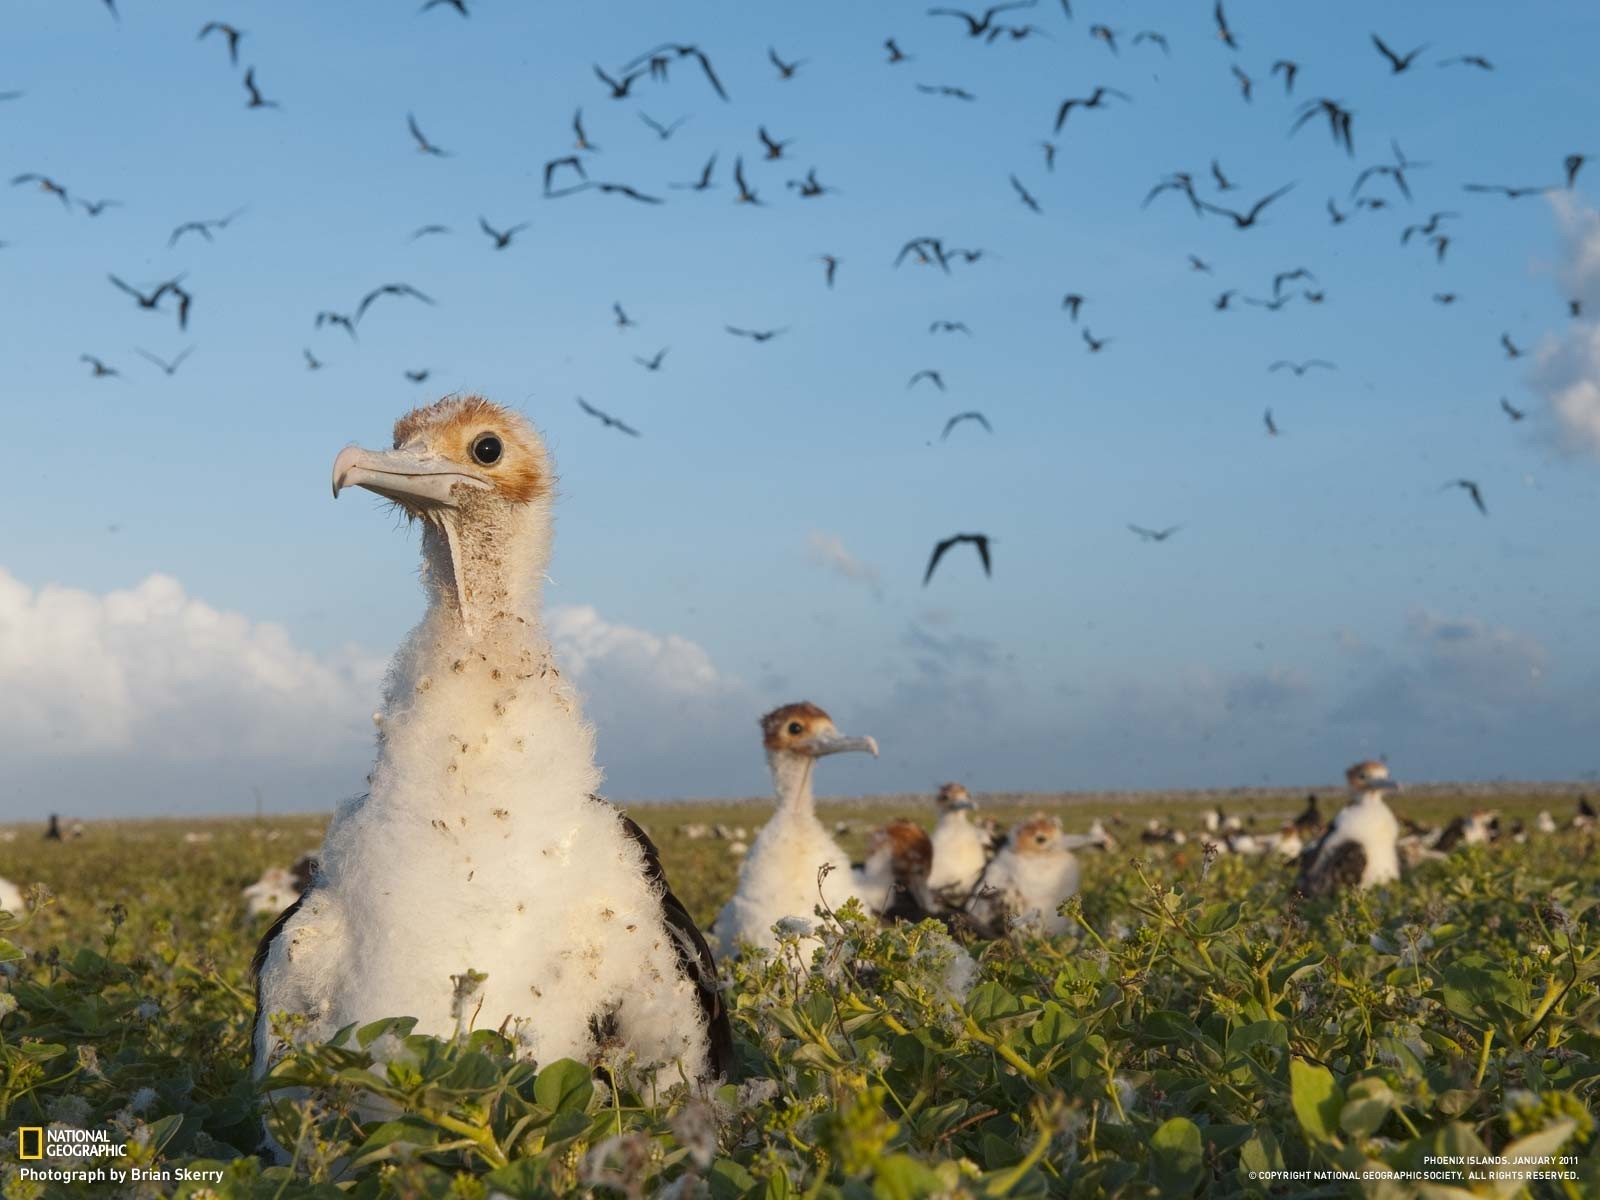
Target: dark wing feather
(259, 960)
(1334, 871)
(694, 955)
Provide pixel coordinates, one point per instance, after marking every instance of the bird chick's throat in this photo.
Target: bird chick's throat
(791, 777)
(483, 561)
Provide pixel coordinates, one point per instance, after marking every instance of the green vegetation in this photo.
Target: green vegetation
(1196, 1029)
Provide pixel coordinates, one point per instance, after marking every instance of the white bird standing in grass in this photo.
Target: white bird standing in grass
(1030, 877)
(1361, 847)
(778, 879)
(481, 846)
(961, 849)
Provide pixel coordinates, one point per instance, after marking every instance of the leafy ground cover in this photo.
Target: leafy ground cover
(1193, 1034)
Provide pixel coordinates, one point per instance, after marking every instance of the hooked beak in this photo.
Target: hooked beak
(960, 806)
(418, 482)
(836, 743)
(1384, 785)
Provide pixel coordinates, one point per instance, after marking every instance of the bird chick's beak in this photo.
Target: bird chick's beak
(836, 743)
(419, 482)
(1384, 785)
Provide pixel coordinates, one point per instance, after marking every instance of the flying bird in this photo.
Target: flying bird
(502, 239)
(1572, 164)
(1106, 34)
(1150, 35)
(704, 182)
(313, 363)
(945, 90)
(810, 185)
(607, 189)
(1397, 63)
(1300, 368)
(1196, 263)
(662, 131)
(1289, 69)
(1095, 99)
(228, 31)
(950, 327)
(1511, 347)
(420, 376)
(978, 26)
(341, 319)
(1223, 31)
(1246, 220)
(389, 289)
(1178, 181)
(1155, 535)
(1339, 121)
(979, 540)
(746, 194)
(169, 368)
(1469, 60)
(652, 364)
(95, 207)
(830, 267)
(966, 416)
(459, 5)
(255, 100)
(785, 70)
(774, 148)
(932, 376)
(895, 53)
(99, 369)
(1023, 193)
(619, 87)
(755, 335)
(571, 161)
(424, 146)
(46, 184)
(623, 320)
(1072, 302)
(607, 419)
(1272, 426)
(1245, 82)
(1224, 184)
(425, 230)
(683, 51)
(1095, 344)
(1283, 277)
(1049, 155)
(1471, 489)
(1516, 414)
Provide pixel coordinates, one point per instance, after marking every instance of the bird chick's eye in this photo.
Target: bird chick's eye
(795, 728)
(486, 449)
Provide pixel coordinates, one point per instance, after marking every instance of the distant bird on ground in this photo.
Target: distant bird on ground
(1471, 489)
(425, 230)
(1072, 302)
(1469, 60)
(98, 369)
(1095, 99)
(1155, 535)
(1244, 81)
(939, 89)
(1272, 426)
(932, 376)
(46, 184)
(228, 31)
(1095, 344)
(1223, 31)
(1300, 368)
(652, 364)
(623, 320)
(1339, 121)
(607, 419)
(756, 335)
(1246, 220)
(978, 540)
(704, 182)
(1289, 70)
(420, 376)
(978, 26)
(966, 416)
(424, 146)
(746, 195)
(1516, 414)
(313, 363)
(255, 100)
(1512, 351)
(568, 876)
(1026, 198)
(794, 864)
(830, 266)
(168, 368)
(774, 148)
(52, 832)
(1224, 184)
(663, 131)
(785, 70)
(1031, 876)
(502, 238)
(95, 207)
(1397, 63)
(961, 849)
(1360, 848)
(895, 53)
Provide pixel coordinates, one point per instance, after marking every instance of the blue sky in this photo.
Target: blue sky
(765, 539)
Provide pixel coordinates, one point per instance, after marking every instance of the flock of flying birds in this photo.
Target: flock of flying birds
(1376, 187)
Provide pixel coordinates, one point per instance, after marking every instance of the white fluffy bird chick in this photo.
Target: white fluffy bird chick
(894, 876)
(1360, 848)
(11, 898)
(481, 846)
(1030, 877)
(279, 887)
(778, 879)
(961, 849)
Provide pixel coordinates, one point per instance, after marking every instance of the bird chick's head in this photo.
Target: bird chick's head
(454, 454)
(1370, 776)
(1039, 835)
(804, 729)
(953, 797)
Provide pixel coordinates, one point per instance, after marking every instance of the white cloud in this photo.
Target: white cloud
(153, 670)
(1566, 369)
(603, 655)
(828, 550)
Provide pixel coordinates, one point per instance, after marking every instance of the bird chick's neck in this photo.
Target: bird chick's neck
(483, 565)
(791, 778)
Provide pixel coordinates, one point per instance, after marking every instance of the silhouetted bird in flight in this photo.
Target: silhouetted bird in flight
(502, 238)
(785, 70)
(1300, 368)
(228, 31)
(1246, 220)
(1397, 63)
(99, 369)
(662, 131)
(756, 335)
(704, 182)
(1471, 489)
(1155, 535)
(168, 368)
(1223, 31)
(423, 144)
(607, 419)
(1516, 414)
(932, 376)
(978, 26)
(255, 100)
(980, 540)
(966, 416)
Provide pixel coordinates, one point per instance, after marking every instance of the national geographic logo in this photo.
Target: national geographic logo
(35, 1142)
(30, 1142)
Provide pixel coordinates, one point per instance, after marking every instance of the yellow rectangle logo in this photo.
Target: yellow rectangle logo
(30, 1141)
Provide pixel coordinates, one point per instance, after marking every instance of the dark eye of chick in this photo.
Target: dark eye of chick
(486, 449)
(794, 728)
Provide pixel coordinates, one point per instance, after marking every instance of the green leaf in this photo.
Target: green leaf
(564, 1086)
(1177, 1157)
(9, 952)
(368, 1034)
(1369, 1103)
(990, 1001)
(901, 1177)
(1543, 1144)
(1316, 1098)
